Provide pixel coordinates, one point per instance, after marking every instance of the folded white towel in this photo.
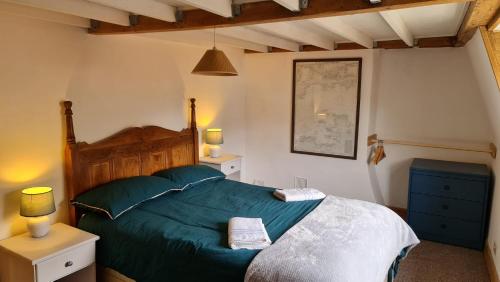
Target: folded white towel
(247, 233)
(298, 194)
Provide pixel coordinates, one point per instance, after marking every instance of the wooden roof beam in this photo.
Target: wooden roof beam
(480, 13)
(339, 27)
(394, 20)
(79, 8)
(494, 24)
(430, 42)
(263, 12)
(298, 33)
(150, 8)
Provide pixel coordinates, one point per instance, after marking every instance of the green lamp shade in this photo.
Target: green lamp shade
(37, 201)
(214, 136)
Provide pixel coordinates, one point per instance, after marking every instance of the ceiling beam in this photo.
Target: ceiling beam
(297, 33)
(480, 13)
(264, 12)
(394, 20)
(292, 5)
(204, 38)
(494, 24)
(255, 36)
(79, 8)
(44, 15)
(218, 7)
(150, 8)
(431, 42)
(339, 27)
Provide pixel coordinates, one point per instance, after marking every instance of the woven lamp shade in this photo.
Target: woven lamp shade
(214, 62)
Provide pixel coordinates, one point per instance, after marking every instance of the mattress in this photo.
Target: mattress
(182, 236)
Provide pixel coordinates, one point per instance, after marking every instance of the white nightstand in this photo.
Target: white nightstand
(66, 252)
(229, 164)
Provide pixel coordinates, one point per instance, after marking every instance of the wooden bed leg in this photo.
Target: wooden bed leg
(196, 156)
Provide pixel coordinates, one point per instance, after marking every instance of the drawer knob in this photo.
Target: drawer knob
(447, 187)
(445, 207)
(232, 167)
(443, 226)
(68, 264)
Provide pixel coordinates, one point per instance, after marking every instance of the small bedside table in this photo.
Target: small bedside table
(66, 252)
(229, 164)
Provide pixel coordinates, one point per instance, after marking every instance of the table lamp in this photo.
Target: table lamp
(214, 138)
(36, 204)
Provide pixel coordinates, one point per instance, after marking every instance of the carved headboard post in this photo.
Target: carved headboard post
(70, 132)
(196, 156)
(70, 164)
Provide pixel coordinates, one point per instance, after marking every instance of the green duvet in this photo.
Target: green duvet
(182, 236)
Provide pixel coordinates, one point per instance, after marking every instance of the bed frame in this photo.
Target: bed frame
(131, 152)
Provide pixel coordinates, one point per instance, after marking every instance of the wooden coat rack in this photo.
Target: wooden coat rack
(373, 139)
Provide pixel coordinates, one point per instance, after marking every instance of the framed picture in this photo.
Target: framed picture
(325, 109)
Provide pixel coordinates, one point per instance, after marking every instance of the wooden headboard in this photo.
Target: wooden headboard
(131, 152)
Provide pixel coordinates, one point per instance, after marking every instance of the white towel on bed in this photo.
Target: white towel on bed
(298, 194)
(247, 233)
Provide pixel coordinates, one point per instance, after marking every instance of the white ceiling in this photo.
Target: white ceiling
(433, 21)
(412, 23)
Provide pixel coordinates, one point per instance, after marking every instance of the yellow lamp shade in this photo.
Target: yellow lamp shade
(214, 136)
(37, 201)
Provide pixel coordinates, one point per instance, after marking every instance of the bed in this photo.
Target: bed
(182, 235)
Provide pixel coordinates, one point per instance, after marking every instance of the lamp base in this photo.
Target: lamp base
(38, 226)
(215, 151)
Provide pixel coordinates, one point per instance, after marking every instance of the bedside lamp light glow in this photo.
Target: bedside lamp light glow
(36, 204)
(214, 138)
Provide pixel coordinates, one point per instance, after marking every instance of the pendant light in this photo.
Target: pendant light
(215, 63)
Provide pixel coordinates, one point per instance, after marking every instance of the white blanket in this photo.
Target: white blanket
(342, 240)
(298, 194)
(247, 233)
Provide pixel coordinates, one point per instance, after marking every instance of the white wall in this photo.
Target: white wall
(114, 82)
(431, 96)
(414, 94)
(268, 116)
(491, 98)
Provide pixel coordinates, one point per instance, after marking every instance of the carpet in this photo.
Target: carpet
(435, 262)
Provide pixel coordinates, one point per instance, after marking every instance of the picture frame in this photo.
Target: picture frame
(326, 96)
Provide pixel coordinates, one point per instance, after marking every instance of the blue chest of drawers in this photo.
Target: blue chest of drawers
(448, 202)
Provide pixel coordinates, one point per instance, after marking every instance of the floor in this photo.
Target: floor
(434, 262)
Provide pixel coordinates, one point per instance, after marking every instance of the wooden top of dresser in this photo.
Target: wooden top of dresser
(451, 167)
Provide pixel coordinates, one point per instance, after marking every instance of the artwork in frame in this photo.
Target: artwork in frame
(325, 107)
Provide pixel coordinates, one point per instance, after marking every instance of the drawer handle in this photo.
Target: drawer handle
(447, 187)
(443, 226)
(68, 264)
(232, 167)
(445, 207)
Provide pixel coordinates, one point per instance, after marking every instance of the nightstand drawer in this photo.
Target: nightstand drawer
(448, 187)
(459, 209)
(445, 228)
(66, 263)
(231, 167)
